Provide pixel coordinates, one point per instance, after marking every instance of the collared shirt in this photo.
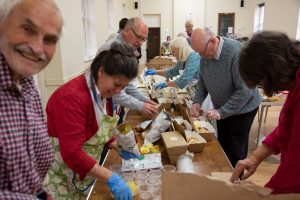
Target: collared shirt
(131, 97)
(25, 150)
(219, 50)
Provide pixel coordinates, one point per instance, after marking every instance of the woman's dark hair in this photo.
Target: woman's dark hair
(270, 59)
(119, 60)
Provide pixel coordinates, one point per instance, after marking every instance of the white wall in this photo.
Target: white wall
(181, 11)
(242, 23)
(130, 10)
(279, 15)
(72, 42)
(69, 60)
(164, 9)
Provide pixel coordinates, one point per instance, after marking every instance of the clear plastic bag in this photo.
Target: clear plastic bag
(159, 125)
(126, 139)
(185, 163)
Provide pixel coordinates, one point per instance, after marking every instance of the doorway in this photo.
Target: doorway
(226, 24)
(153, 43)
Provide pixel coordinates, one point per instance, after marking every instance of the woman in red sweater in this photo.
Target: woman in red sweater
(80, 120)
(272, 60)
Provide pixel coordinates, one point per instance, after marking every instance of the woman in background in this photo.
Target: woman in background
(80, 122)
(187, 66)
(271, 60)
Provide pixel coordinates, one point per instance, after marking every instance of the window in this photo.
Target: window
(89, 28)
(298, 27)
(259, 17)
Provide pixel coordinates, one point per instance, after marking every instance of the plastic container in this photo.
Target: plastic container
(169, 168)
(116, 168)
(145, 195)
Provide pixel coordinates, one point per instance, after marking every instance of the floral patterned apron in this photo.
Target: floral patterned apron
(61, 182)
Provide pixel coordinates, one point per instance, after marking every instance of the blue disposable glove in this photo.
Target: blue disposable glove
(150, 72)
(119, 187)
(126, 155)
(161, 85)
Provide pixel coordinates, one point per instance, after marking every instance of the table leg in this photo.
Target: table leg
(259, 123)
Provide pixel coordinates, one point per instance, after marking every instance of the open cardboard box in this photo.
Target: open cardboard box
(178, 186)
(175, 145)
(165, 102)
(211, 131)
(178, 103)
(194, 147)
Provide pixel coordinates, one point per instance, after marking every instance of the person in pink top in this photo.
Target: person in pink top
(271, 60)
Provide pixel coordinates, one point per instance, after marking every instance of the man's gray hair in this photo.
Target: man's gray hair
(208, 34)
(131, 22)
(8, 5)
(6, 8)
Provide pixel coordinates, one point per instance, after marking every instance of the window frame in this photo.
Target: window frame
(259, 17)
(89, 29)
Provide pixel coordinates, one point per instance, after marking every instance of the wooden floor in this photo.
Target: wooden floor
(269, 166)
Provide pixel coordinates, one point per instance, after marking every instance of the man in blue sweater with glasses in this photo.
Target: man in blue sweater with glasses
(235, 105)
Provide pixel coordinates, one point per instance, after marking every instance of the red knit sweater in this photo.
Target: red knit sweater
(71, 118)
(285, 139)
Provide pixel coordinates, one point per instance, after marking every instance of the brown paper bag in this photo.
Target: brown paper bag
(186, 186)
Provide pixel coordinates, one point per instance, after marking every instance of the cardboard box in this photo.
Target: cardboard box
(175, 143)
(208, 136)
(184, 96)
(209, 129)
(178, 102)
(165, 102)
(173, 159)
(197, 146)
(161, 62)
(194, 187)
(193, 147)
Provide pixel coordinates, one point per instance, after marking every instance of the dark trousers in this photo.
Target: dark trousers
(233, 135)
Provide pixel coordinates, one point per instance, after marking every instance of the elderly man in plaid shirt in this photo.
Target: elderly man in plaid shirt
(29, 31)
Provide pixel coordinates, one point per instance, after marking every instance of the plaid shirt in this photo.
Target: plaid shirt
(25, 149)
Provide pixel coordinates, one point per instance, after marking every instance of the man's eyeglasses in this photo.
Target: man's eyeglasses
(138, 36)
(202, 53)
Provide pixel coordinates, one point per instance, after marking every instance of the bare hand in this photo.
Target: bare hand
(212, 114)
(151, 102)
(249, 164)
(195, 110)
(244, 182)
(149, 110)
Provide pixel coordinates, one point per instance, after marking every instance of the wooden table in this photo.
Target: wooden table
(212, 159)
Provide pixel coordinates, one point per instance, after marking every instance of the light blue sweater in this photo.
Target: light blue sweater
(221, 79)
(191, 70)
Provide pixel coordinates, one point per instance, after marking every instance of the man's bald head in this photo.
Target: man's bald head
(135, 32)
(201, 39)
